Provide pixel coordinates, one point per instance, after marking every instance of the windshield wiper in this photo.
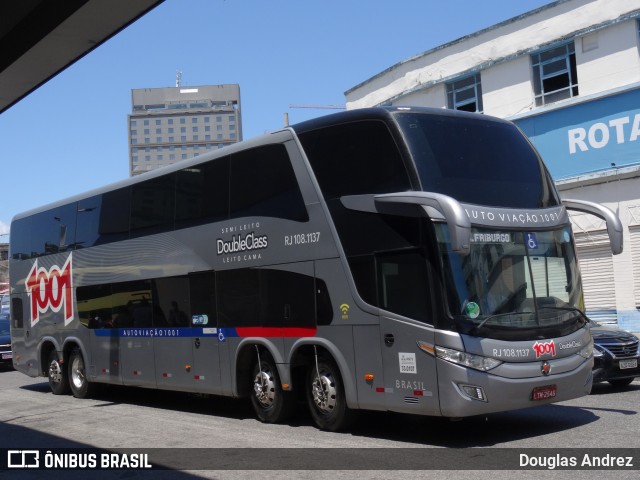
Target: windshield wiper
(491, 317)
(566, 309)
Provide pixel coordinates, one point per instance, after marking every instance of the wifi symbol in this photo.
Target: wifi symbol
(344, 308)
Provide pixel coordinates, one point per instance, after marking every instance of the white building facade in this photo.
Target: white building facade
(568, 74)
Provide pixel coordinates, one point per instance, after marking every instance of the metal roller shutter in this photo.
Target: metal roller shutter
(635, 261)
(598, 283)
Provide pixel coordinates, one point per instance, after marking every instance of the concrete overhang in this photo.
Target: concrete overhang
(40, 38)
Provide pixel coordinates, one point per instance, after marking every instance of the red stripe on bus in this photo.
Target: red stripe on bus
(289, 332)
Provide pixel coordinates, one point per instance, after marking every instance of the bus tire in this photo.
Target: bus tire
(80, 385)
(58, 380)
(325, 397)
(270, 402)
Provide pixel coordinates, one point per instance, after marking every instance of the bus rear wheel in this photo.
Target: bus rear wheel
(326, 398)
(270, 402)
(58, 380)
(80, 386)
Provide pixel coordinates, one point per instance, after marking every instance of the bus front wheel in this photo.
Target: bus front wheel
(80, 386)
(270, 402)
(58, 381)
(326, 398)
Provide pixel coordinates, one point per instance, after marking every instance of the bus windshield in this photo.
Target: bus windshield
(514, 285)
(477, 161)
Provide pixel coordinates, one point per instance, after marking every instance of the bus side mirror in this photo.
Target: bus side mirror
(614, 225)
(435, 205)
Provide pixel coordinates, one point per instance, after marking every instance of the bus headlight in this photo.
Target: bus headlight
(589, 351)
(477, 362)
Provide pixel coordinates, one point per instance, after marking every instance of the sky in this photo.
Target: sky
(70, 135)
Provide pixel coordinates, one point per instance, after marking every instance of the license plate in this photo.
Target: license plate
(7, 356)
(544, 393)
(628, 364)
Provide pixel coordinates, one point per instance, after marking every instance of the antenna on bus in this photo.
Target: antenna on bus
(178, 78)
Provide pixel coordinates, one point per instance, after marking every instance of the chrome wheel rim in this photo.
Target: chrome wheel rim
(77, 372)
(55, 372)
(264, 388)
(324, 392)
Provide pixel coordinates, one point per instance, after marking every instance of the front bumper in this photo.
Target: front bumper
(503, 393)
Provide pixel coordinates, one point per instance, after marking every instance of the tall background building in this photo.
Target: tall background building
(568, 74)
(167, 125)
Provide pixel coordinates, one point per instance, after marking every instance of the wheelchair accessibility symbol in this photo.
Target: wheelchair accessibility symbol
(532, 241)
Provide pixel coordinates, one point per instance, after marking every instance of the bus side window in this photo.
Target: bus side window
(403, 285)
(17, 315)
(324, 309)
(254, 297)
(202, 193)
(171, 302)
(94, 306)
(202, 291)
(263, 184)
(152, 206)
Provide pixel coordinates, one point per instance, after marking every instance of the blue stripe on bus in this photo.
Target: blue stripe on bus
(161, 332)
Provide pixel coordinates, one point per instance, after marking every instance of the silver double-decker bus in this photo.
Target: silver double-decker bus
(394, 259)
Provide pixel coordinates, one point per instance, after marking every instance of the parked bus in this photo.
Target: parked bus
(394, 259)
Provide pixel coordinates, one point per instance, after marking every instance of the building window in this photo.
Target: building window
(194, 129)
(170, 130)
(555, 76)
(146, 131)
(182, 120)
(158, 122)
(465, 94)
(183, 138)
(195, 138)
(170, 121)
(133, 123)
(158, 131)
(158, 139)
(194, 120)
(146, 122)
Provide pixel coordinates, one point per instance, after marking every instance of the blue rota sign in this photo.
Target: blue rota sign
(588, 136)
